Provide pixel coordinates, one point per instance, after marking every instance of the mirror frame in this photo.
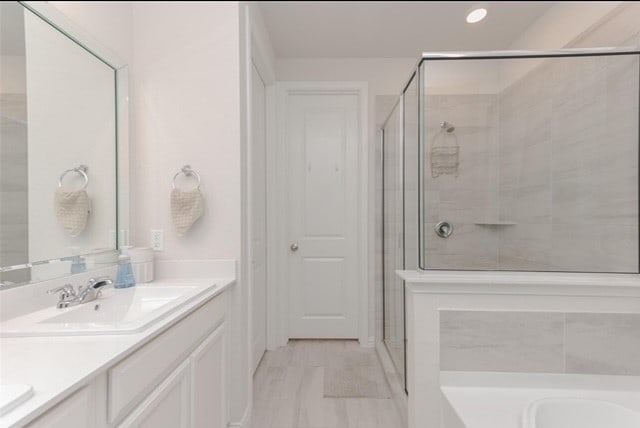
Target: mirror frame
(52, 16)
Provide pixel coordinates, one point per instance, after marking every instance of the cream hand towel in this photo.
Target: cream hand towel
(186, 208)
(72, 210)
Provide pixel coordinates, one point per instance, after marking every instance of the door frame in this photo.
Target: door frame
(259, 54)
(258, 65)
(277, 216)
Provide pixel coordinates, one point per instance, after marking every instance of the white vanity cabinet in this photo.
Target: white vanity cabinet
(167, 406)
(77, 411)
(192, 395)
(176, 380)
(208, 370)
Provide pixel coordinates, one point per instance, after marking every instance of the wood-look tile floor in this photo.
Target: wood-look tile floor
(289, 390)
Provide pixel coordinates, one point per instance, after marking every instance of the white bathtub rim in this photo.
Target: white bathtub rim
(564, 381)
(497, 399)
(529, 415)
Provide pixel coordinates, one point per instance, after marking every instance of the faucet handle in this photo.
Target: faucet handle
(65, 291)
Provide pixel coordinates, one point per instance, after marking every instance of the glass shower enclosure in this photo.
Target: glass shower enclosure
(524, 161)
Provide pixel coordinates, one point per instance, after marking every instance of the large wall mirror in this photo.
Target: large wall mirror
(63, 166)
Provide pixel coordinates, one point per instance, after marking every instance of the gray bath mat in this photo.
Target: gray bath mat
(354, 374)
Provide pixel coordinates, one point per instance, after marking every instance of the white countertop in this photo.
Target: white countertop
(57, 366)
(531, 283)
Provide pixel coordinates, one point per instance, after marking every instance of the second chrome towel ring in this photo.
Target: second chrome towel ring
(82, 170)
(188, 172)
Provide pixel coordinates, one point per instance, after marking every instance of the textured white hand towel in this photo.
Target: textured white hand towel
(186, 208)
(72, 210)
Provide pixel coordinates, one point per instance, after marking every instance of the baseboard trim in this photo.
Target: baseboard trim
(244, 423)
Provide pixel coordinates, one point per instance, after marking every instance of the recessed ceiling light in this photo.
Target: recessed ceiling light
(476, 15)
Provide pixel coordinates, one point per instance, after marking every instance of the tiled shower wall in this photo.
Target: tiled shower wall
(556, 154)
(540, 342)
(568, 136)
(466, 198)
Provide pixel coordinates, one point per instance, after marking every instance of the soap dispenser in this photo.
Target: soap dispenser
(78, 264)
(125, 278)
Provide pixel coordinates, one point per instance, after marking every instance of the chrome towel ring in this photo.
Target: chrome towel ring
(82, 170)
(188, 172)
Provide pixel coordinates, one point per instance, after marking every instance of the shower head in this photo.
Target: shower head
(447, 126)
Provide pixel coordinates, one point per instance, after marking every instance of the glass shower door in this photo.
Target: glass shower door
(400, 216)
(393, 238)
(532, 162)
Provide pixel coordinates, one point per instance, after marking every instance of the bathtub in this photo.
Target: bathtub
(493, 400)
(532, 400)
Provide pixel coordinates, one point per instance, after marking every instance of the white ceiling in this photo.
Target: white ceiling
(392, 29)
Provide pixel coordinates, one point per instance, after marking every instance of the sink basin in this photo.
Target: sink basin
(117, 311)
(11, 396)
(575, 412)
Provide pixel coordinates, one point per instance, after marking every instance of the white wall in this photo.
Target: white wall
(185, 104)
(384, 75)
(557, 28)
(562, 24)
(187, 99)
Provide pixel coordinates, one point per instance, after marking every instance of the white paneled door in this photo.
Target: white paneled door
(322, 141)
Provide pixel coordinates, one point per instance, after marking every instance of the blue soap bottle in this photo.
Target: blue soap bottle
(78, 264)
(125, 278)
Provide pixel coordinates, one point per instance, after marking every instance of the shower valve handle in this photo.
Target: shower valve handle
(444, 229)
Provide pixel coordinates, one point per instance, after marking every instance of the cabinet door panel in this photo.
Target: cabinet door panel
(208, 382)
(167, 406)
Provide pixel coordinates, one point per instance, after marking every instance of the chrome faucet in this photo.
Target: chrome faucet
(70, 297)
(67, 294)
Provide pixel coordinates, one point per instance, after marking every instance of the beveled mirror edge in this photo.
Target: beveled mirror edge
(123, 194)
(62, 23)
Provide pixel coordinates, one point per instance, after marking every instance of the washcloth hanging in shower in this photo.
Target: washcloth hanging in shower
(445, 152)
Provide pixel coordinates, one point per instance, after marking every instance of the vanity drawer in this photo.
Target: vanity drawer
(133, 378)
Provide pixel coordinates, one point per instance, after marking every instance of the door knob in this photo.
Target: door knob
(294, 247)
